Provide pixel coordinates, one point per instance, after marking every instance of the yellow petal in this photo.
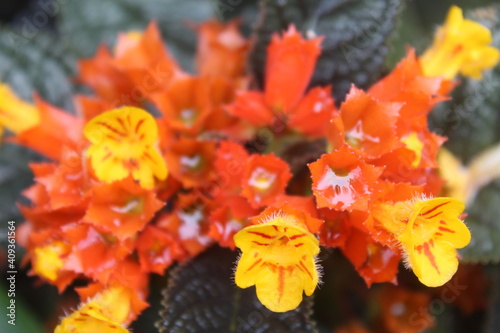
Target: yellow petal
(280, 288)
(439, 218)
(123, 142)
(416, 145)
(279, 259)
(434, 263)
(455, 175)
(433, 233)
(47, 261)
(106, 312)
(16, 114)
(249, 266)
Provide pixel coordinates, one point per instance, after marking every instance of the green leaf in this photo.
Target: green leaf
(202, 297)
(355, 36)
(86, 24)
(29, 62)
(24, 320)
(15, 176)
(36, 62)
(484, 226)
(471, 122)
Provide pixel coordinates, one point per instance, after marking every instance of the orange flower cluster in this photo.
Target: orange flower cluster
(382, 153)
(128, 193)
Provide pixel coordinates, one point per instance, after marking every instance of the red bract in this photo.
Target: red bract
(313, 112)
(66, 184)
(339, 225)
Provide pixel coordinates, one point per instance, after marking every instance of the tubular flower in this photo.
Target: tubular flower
(15, 114)
(55, 130)
(279, 258)
(123, 143)
(429, 232)
(106, 312)
(221, 50)
(289, 67)
(460, 46)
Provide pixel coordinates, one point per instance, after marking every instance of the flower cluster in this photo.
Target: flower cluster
(128, 192)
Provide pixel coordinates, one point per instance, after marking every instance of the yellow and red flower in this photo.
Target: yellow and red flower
(429, 232)
(279, 258)
(123, 143)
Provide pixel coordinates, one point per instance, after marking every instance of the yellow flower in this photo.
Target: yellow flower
(105, 313)
(123, 142)
(414, 144)
(429, 232)
(47, 260)
(464, 182)
(460, 45)
(279, 259)
(15, 114)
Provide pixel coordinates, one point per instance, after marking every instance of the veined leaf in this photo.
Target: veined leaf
(202, 297)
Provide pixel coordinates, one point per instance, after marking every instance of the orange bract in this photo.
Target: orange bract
(122, 208)
(343, 180)
(221, 50)
(140, 66)
(365, 124)
(191, 161)
(289, 67)
(264, 177)
(56, 130)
